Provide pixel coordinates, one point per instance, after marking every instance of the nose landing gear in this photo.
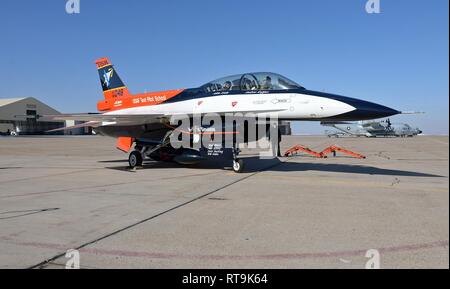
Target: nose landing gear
(238, 165)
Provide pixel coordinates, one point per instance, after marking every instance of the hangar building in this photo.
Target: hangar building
(20, 116)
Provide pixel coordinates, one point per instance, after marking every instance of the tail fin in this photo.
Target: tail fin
(111, 83)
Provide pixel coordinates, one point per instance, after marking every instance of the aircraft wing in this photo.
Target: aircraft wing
(127, 119)
(98, 119)
(116, 119)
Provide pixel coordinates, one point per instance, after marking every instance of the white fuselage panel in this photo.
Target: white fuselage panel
(287, 106)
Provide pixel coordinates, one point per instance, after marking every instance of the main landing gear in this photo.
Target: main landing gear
(142, 151)
(135, 159)
(164, 152)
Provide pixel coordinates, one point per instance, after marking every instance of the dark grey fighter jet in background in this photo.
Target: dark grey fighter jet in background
(371, 129)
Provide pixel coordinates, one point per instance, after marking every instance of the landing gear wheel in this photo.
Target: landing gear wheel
(135, 159)
(238, 165)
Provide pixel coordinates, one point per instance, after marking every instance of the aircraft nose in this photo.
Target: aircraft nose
(371, 110)
(365, 110)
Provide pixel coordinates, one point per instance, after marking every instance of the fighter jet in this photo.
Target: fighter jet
(143, 120)
(371, 129)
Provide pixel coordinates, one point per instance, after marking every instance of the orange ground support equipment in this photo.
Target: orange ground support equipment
(301, 148)
(323, 154)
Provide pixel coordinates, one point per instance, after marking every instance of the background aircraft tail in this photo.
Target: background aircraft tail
(111, 83)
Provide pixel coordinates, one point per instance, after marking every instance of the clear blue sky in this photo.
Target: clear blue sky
(398, 58)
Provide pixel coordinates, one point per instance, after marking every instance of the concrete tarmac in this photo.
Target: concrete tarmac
(60, 193)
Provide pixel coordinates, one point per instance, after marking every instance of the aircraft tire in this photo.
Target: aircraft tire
(238, 165)
(135, 159)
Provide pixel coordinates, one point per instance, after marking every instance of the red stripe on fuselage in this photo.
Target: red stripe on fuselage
(137, 100)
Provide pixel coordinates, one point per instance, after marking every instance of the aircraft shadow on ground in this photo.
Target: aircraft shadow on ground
(255, 164)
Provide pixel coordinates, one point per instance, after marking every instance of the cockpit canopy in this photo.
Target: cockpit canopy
(251, 81)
